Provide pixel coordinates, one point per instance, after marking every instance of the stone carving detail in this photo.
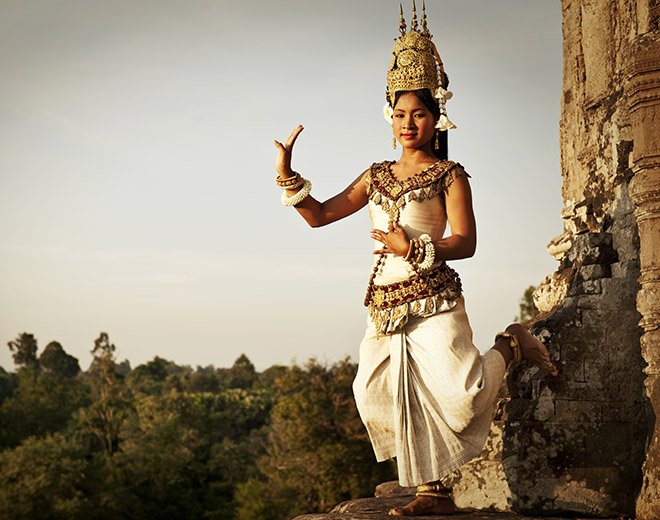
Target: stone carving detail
(644, 101)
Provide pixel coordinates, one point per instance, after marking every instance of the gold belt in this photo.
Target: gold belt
(441, 279)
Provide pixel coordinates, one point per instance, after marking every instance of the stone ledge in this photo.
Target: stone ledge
(390, 494)
(377, 508)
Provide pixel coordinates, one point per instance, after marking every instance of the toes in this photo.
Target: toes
(551, 369)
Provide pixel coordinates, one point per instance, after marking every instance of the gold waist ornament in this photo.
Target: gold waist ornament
(441, 280)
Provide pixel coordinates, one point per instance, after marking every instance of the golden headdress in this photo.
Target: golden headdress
(416, 65)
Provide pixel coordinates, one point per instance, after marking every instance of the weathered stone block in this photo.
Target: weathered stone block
(592, 320)
(578, 491)
(588, 301)
(619, 293)
(592, 248)
(615, 442)
(597, 33)
(626, 412)
(573, 371)
(625, 269)
(577, 390)
(586, 287)
(594, 271)
(577, 411)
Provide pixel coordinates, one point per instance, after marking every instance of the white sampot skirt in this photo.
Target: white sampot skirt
(426, 395)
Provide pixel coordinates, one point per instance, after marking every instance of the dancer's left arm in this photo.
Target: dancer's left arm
(462, 242)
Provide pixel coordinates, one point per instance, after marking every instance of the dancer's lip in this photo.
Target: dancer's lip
(407, 136)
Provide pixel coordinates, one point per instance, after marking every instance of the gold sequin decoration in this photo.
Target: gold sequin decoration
(392, 194)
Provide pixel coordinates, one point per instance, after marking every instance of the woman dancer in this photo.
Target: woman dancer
(424, 392)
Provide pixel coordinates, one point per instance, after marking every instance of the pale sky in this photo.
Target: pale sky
(137, 192)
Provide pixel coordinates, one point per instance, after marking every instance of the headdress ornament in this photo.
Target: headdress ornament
(416, 65)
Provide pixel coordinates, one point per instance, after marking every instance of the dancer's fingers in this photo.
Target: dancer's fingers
(294, 135)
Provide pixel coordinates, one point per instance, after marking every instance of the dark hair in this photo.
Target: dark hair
(425, 96)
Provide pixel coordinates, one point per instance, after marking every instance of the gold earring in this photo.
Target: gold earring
(393, 142)
(437, 139)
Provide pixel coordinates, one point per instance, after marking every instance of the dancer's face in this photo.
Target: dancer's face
(413, 123)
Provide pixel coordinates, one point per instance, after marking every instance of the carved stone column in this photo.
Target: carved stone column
(644, 101)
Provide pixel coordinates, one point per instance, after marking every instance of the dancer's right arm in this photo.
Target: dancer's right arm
(316, 213)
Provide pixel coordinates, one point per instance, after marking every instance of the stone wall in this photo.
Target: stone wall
(585, 441)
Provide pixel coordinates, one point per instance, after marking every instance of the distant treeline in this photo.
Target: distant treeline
(172, 442)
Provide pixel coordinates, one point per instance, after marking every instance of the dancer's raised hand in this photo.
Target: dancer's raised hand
(283, 160)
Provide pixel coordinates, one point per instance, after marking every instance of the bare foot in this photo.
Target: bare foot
(425, 506)
(532, 349)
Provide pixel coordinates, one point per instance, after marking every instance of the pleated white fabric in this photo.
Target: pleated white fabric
(426, 395)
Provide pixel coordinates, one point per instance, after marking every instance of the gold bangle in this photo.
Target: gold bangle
(295, 185)
(287, 183)
(436, 490)
(411, 248)
(514, 345)
(421, 249)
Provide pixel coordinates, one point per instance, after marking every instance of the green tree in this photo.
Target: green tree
(203, 381)
(44, 478)
(184, 453)
(242, 373)
(528, 310)
(269, 377)
(103, 418)
(159, 458)
(24, 349)
(43, 398)
(54, 360)
(150, 378)
(317, 450)
(8, 382)
(167, 441)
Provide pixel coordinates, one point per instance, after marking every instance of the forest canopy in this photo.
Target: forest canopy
(167, 441)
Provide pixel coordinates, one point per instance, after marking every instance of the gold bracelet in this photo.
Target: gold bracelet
(295, 186)
(289, 183)
(421, 249)
(435, 490)
(413, 252)
(514, 345)
(411, 248)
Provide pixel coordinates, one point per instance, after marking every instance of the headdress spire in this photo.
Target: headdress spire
(413, 22)
(425, 29)
(402, 21)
